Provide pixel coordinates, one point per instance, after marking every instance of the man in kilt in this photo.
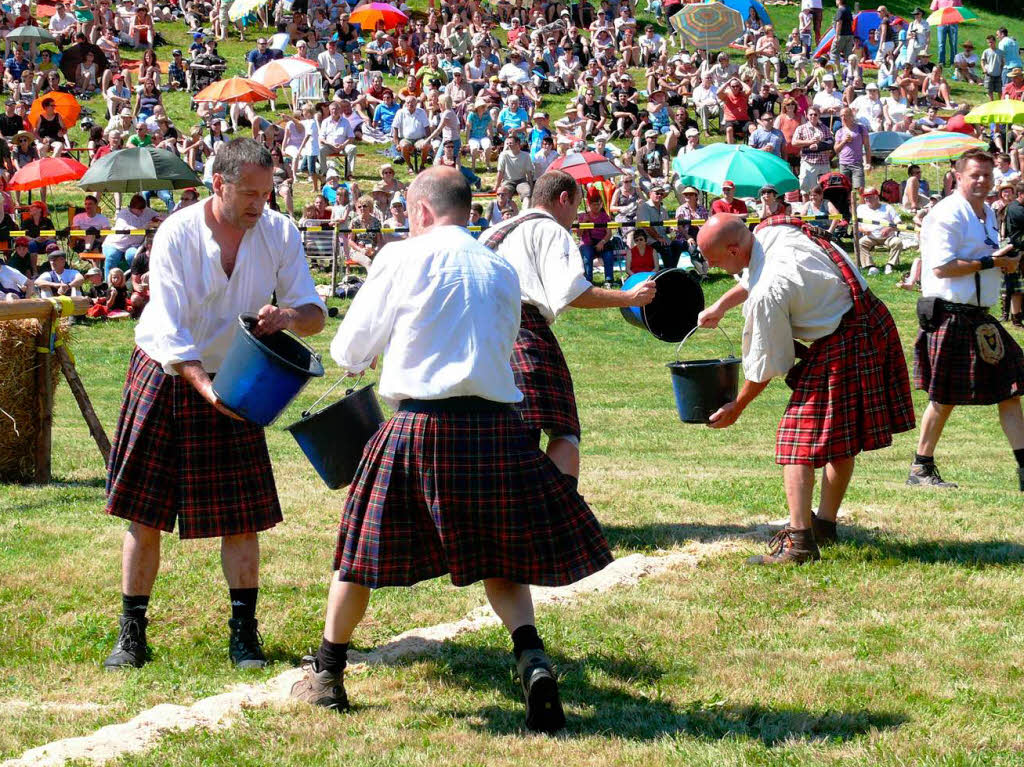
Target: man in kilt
(179, 455)
(539, 246)
(963, 355)
(452, 483)
(851, 391)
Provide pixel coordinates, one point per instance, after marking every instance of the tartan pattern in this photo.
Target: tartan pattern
(174, 457)
(947, 364)
(851, 391)
(543, 377)
(468, 494)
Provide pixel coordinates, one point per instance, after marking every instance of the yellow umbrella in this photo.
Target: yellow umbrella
(241, 8)
(1001, 112)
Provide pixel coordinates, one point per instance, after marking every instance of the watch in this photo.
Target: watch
(987, 262)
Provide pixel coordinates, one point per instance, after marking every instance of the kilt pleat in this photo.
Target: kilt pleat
(468, 494)
(542, 375)
(177, 459)
(947, 364)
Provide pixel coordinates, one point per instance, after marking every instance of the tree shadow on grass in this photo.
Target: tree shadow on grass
(609, 708)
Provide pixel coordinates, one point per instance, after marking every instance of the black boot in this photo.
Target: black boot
(131, 649)
(246, 646)
(540, 689)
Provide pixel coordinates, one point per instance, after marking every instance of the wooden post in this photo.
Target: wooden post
(334, 262)
(854, 226)
(38, 309)
(84, 404)
(44, 398)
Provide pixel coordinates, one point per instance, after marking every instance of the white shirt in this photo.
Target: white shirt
(880, 217)
(951, 231)
(444, 311)
(85, 221)
(193, 307)
(513, 73)
(330, 64)
(66, 277)
(335, 132)
(548, 262)
(411, 125)
(796, 291)
(703, 96)
(11, 278)
(868, 112)
(828, 101)
(126, 219)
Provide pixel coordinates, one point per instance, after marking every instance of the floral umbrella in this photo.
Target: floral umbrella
(933, 147)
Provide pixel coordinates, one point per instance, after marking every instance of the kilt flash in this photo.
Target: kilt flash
(948, 366)
(465, 493)
(543, 377)
(175, 457)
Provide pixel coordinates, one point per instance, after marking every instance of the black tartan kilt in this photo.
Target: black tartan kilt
(948, 366)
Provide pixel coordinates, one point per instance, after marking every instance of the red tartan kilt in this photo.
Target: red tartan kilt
(468, 494)
(850, 393)
(947, 364)
(541, 374)
(175, 457)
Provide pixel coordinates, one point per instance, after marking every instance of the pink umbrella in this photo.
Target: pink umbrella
(276, 73)
(367, 16)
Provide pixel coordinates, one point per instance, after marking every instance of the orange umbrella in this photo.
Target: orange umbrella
(46, 172)
(235, 89)
(66, 105)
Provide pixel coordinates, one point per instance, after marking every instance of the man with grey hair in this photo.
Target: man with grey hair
(483, 503)
(179, 455)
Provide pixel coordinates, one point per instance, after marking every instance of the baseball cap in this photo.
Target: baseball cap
(176, 52)
(727, 184)
(540, 115)
(869, 191)
(830, 78)
(21, 241)
(651, 133)
(95, 271)
(197, 35)
(767, 188)
(692, 132)
(56, 253)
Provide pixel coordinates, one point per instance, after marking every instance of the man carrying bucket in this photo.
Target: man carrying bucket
(851, 391)
(179, 454)
(452, 483)
(538, 245)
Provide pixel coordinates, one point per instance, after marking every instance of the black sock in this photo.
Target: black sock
(574, 480)
(923, 459)
(526, 638)
(332, 656)
(134, 606)
(243, 603)
(1019, 455)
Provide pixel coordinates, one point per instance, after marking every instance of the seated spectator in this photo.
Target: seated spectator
(770, 204)
(598, 241)
(116, 299)
(94, 287)
(915, 190)
(36, 224)
(641, 257)
(92, 221)
(363, 246)
(120, 249)
(728, 202)
(477, 219)
(878, 229)
(13, 284)
(59, 280)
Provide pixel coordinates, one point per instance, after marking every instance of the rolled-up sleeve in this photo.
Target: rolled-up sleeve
(560, 266)
(768, 349)
(170, 303)
(940, 239)
(364, 333)
(295, 285)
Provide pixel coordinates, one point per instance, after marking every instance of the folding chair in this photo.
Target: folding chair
(307, 88)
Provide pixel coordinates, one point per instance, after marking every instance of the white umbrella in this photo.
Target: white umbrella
(241, 8)
(276, 73)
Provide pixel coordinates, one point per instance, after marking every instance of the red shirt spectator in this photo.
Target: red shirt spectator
(727, 203)
(957, 124)
(1014, 89)
(735, 104)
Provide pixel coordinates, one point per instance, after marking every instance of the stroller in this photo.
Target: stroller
(836, 190)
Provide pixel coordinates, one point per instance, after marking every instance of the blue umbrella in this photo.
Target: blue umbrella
(744, 6)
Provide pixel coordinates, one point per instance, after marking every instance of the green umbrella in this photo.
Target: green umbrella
(748, 168)
(30, 35)
(139, 170)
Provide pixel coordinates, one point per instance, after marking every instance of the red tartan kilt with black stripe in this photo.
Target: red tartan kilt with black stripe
(176, 458)
(542, 375)
(851, 392)
(467, 494)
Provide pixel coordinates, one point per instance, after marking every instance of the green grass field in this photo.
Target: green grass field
(902, 646)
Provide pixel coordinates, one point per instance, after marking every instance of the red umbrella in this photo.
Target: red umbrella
(586, 167)
(46, 172)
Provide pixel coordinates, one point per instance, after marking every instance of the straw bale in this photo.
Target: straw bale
(19, 400)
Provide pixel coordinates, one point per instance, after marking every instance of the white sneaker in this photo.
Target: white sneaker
(872, 271)
(888, 268)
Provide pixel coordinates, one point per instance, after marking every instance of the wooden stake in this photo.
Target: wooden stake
(44, 390)
(84, 404)
(334, 262)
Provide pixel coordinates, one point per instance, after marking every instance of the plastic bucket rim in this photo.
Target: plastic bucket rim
(313, 356)
(308, 416)
(719, 362)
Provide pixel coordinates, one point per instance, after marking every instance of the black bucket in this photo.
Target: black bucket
(333, 438)
(673, 312)
(702, 386)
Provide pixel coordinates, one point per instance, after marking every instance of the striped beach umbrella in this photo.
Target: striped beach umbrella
(933, 147)
(708, 26)
(953, 15)
(586, 167)
(241, 8)
(276, 73)
(999, 112)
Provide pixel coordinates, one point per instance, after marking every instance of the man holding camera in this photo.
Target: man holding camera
(963, 355)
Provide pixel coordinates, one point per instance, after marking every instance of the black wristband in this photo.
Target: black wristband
(987, 262)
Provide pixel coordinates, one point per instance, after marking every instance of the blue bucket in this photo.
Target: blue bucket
(673, 312)
(702, 386)
(261, 376)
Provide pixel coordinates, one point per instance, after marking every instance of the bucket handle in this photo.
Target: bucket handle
(732, 346)
(329, 390)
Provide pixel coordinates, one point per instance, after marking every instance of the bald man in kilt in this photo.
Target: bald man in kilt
(851, 391)
(452, 483)
(963, 355)
(539, 245)
(180, 457)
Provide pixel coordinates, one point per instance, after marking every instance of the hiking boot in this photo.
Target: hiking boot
(320, 688)
(246, 645)
(927, 474)
(825, 532)
(131, 649)
(789, 546)
(540, 690)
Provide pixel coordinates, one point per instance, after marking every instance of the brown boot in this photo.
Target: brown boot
(320, 688)
(825, 532)
(789, 547)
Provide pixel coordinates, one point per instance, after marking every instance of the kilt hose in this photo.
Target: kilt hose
(467, 493)
(948, 366)
(174, 456)
(851, 390)
(549, 403)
